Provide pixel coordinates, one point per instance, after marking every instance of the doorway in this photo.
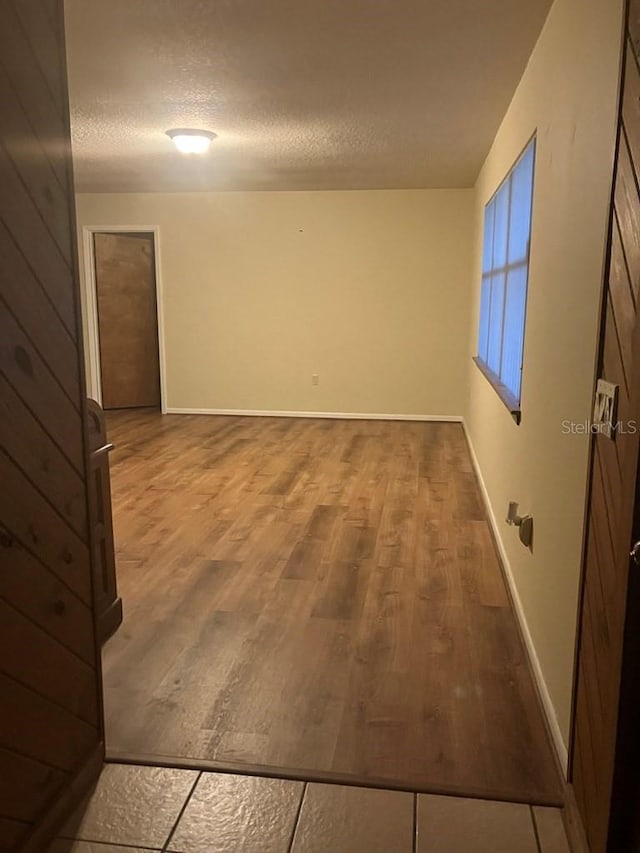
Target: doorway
(124, 313)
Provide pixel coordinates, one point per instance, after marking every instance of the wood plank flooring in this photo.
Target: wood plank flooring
(318, 596)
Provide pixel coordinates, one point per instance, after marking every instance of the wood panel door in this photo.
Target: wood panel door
(127, 320)
(51, 726)
(610, 608)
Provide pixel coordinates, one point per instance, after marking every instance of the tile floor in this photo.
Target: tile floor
(185, 811)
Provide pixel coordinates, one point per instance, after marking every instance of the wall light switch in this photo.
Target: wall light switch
(315, 379)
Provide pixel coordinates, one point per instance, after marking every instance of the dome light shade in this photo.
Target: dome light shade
(191, 141)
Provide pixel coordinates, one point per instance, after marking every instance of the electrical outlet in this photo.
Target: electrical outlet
(315, 379)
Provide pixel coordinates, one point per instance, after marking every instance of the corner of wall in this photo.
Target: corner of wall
(544, 695)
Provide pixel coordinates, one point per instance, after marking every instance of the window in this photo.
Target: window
(505, 271)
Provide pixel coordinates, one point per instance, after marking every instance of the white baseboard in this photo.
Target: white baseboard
(547, 704)
(361, 416)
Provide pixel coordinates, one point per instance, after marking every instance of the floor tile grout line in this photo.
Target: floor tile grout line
(415, 823)
(296, 822)
(535, 829)
(183, 808)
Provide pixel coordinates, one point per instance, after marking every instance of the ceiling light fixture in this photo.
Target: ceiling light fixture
(191, 141)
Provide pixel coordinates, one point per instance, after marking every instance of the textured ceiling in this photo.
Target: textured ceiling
(303, 94)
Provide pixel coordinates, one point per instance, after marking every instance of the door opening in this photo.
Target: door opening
(124, 318)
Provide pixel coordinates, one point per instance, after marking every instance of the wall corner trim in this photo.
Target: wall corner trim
(543, 691)
(361, 416)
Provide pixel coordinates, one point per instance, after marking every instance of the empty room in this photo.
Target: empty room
(319, 393)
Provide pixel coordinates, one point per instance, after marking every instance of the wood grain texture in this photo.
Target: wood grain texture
(41, 730)
(128, 320)
(45, 599)
(39, 24)
(38, 527)
(48, 118)
(74, 791)
(51, 733)
(47, 667)
(31, 305)
(26, 784)
(30, 446)
(316, 595)
(37, 385)
(604, 594)
(33, 238)
(40, 180)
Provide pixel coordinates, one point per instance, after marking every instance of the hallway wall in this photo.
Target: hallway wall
(367, 289)
(568, 94)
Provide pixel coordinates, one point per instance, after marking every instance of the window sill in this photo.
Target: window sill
(501, 390)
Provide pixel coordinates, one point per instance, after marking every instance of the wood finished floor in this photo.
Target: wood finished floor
(319, 596)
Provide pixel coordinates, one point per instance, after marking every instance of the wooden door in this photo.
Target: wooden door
(51, 727)
(127, 320)
(624, 832)
(606, 592)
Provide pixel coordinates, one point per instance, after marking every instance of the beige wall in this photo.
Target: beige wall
(568, 93)
(261, 290)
